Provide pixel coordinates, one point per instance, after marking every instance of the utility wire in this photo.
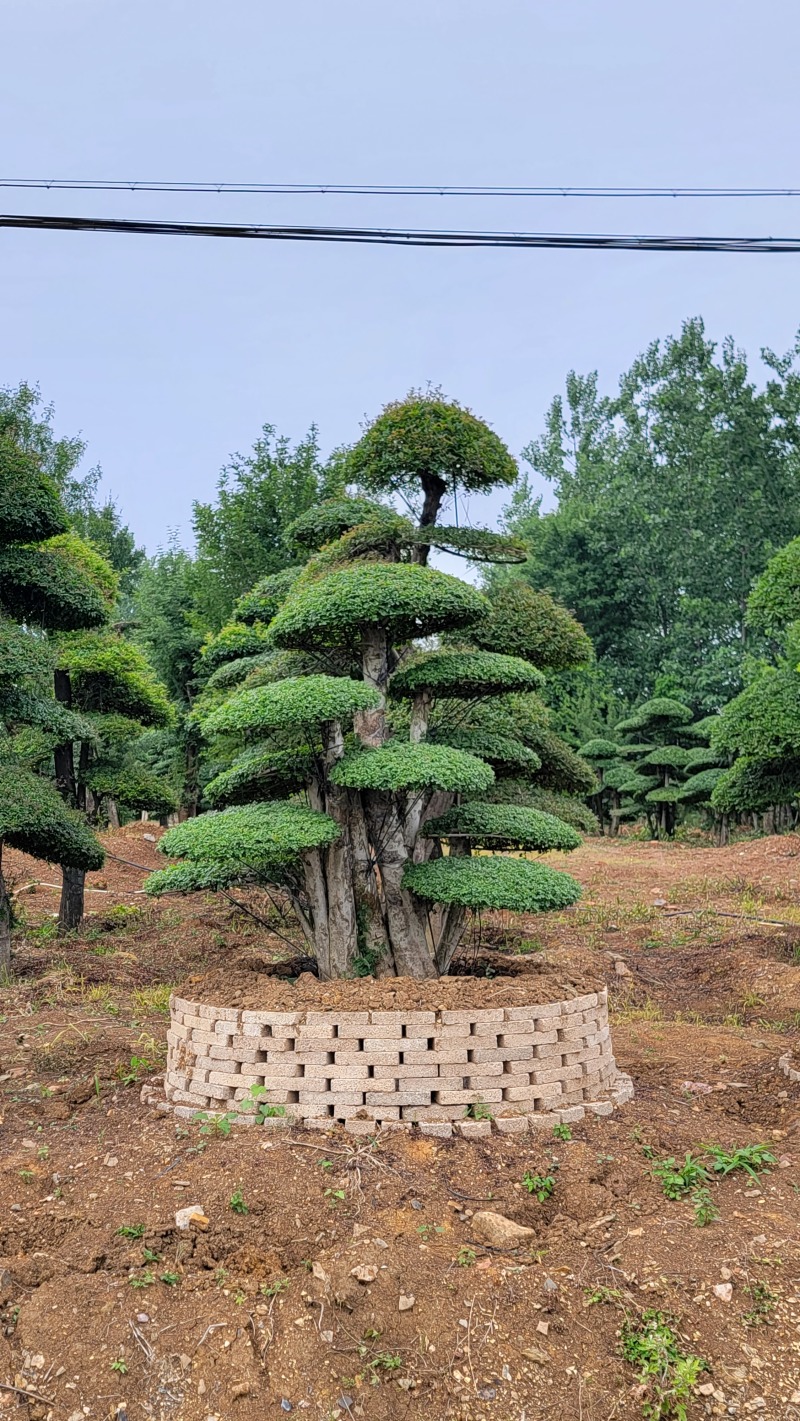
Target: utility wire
(392, 236)
(388, 189)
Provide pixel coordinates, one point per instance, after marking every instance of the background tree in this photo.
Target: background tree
(671, 497)
(240, 538)
(371, 742)
(41, 590)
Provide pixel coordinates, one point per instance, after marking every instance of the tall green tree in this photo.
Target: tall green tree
(240, 537)
(671, 497)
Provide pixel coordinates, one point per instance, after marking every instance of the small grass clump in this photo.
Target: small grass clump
(541, 1186)
(666, 1373)
(677, 1180)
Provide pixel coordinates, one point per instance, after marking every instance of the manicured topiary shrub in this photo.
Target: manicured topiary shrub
(359, 780)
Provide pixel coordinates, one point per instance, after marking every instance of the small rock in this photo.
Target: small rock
(707, 1389)
(487, 1393)
(142, 1317)
(344, 1401)
(621, 968)
(318, 1272)
(498, 1231)
(240, 1389)
(795, 1398)
(111, 1161)
(201, 1387)
(550, 1286)
(285, 1405)
(724, 1291)
(534, 1354)
(364, 1272)
(406, 1302)
(757, 1404)
(406, 1383)
(417, 1204)
(192, 1215)
(725, 1274)
(327, 1336)
(151, 838)
(543, 1327)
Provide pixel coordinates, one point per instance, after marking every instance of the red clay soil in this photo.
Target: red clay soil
(108, 1309)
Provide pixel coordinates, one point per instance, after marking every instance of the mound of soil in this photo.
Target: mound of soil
(246, 985)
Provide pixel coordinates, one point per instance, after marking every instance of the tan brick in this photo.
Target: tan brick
(406, 1073)
(599, 1107)
(542, 1122)
(556, 1073)
(412, 1043)
(432, 1112)
(571, 1114)
(195, 1023)
(230, 1077)
(440, 1056)
(355, 1024)
(573, 1033)
(547, 1051)
(345, 1097)
(275, 1072)
(271, 1018)
(502, 1053)
(304, 1058)
(323, 1122)
(522, 1092)
(371, 1112)
(458, 1017)
(467, 1097)
(253, 1029)
(229, 1053)
(474, 1129)
(187, 1097)
(439, 1129)
(401, 1097)
(511, 1124)
(181, 1004)
(485, 1068)
(404, 1018)
(489, 1030)
(370, 1056)
(323, 1023)
(451, 1033)
(315, 1043)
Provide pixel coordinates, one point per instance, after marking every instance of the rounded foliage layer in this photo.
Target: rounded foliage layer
(425, 437)
(775, 600)
(232, 642)
(701, 759)
(325, 521)
(22, 654)
(763, 721)
(561, 768)
(260, 773)
(463, 675)
(501, 750)
(564, 806)
(404, 598)
(35, 819)
(40, 587)
(262, 602)
(492, 881)
(698, 788)
(299, 701)
(665, 757)
(600, 750)
(135, 789)
(530, 624)
(97, 570)
(660, 711)
(111, 675)
(30, 508)
(754, 786)
(252, 836)
(503, 826)
(403, 765)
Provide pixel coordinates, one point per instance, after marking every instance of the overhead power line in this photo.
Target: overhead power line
(387, 189)
(392, 236)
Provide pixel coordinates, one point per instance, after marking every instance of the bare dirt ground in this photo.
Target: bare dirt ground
(108, 1309)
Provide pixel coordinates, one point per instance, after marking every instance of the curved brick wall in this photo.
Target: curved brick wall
(361, 1068)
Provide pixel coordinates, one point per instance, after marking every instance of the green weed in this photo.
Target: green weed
(667, 1374)
(131, 1230)
(705, 1210)
(540, 1185)
(562, 1132)
(237, 1203)
(750, 1158)
(675, 1179)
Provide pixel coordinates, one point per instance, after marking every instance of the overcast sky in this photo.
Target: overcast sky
(168, 354)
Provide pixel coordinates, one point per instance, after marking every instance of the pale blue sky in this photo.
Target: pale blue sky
(169, 354)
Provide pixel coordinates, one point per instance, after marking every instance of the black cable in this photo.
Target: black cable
(390, 189)
(408, 238)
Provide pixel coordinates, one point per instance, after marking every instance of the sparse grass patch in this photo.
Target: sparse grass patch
(666, 1373)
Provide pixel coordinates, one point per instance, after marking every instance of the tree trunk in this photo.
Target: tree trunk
(434, 490)
(70, 912)
(420, 710)
(112, 813)
(5, 926)
(370, 725)
(405, 919)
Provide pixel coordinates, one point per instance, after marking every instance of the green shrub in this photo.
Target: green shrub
(493, 882)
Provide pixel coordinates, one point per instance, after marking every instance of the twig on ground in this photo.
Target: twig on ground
(28, 1395)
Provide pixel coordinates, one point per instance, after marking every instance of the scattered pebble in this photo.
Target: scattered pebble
(406, 1302)
(364, 1272)
(724, 1291)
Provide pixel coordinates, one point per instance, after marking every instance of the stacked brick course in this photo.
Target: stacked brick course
(397, 1068)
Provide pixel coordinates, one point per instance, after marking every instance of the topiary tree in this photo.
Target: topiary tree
(41, 589)
(655, 761)
(388, 747)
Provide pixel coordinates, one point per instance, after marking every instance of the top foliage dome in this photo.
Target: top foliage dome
(461, 675)
(425, 437)
(30, 509)
(661, 710)
(405, 599)
(775, 600)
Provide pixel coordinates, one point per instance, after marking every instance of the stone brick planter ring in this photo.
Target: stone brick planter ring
(513, 1068)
